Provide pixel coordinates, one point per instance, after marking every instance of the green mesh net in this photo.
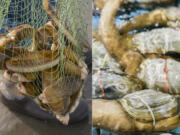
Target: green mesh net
(42, 44)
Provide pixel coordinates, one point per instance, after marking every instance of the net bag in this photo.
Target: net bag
(42, 43)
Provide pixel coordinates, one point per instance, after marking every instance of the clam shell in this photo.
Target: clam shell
(45, 59)
(139, 105)
(114, 88)
(28, 77)
(33, 62)
(153, 74)
(100, 55)
(29, 89)
(8, 89)
(63, 97)
(160, 40)
(173, 14)
(8, 53)
(20, 77)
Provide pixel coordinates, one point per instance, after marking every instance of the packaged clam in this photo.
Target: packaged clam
(143, 111)
(165, 77)
(105, 69)
(157, 41)
(113, 88)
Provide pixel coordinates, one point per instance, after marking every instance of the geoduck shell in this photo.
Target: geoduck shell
(114, 88)
(160, 40)
(153, 74)
(161, 104)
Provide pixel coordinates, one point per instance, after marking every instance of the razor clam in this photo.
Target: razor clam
(16, 35)
(62, 97)
(8, 54)
(20, 77)
(61, 93)
(146, 110)
(44, 59)
(51, 13)
(33, 62)
(29, 89)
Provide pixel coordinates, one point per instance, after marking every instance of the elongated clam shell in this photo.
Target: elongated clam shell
(63, 97)
(18, 77)
(33, 62)
(9, 53)
(149, 105)
(45, 59)
(153, 74)
(161, 40)
(29, 89)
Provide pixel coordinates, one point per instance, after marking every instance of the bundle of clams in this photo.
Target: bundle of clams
(36, 71)
(136, 77)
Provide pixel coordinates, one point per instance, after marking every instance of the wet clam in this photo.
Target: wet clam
(53, 82)
(114, 88)
(141, 107)
(57, 91)
(8, 88)
(137, 112)
(153, 42)
(105, 69)
(167, 81)
(165, 75)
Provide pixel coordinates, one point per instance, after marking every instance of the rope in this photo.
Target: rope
(167, 85)
(99, 76)
(150, 110)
